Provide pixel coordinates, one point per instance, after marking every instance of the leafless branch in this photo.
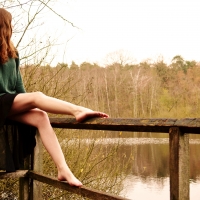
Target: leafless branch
(59, 15)
(30, 21)
(16, 5)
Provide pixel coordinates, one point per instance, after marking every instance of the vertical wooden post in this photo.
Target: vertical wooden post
(37, 166)
(179, 164)
(24, 182)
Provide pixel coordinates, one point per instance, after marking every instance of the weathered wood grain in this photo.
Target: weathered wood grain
(38, 167)
(179, 151)
(24, 182)
(159, 125)
(17, 174)
(83, 191)
(179, 164)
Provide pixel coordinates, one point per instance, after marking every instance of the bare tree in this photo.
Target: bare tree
(29, 34)
(121, 57)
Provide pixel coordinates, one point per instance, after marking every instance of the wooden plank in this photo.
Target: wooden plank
(136, 125)
(184, 167)
(17, 174)
(24, 182)
(83, 191)
(159, 125)
(179, 164)
(38, 167)
(24, 188)
(179, 147)
(186, 125)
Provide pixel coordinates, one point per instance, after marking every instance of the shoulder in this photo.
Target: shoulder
(10, 65)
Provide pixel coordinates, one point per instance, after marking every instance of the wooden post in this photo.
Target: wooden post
(24, 182)
(179, 164)
(37, 167)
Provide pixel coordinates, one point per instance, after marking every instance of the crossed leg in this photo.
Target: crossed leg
(39, 119)
(25, 110)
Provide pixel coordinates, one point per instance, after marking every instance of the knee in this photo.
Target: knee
(37, 97)
(39, 94)
(41, 117)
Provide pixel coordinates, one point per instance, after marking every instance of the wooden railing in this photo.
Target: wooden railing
(178, 130)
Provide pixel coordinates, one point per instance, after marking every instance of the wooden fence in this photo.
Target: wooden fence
(178, 129)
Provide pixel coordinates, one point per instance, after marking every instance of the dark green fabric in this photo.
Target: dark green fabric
(17, 141)
(10, 78)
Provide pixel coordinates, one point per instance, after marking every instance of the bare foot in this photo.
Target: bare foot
(85, 113)
(67, 175)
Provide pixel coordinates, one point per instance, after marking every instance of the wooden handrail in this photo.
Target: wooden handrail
(159, 125)
(178, 130)
(82, 191)
(17, 174)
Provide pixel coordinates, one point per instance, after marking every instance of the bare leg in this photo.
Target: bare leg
(24, 110)
(26, 101)
(39, 119)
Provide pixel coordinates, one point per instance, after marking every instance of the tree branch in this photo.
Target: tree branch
(59, 14)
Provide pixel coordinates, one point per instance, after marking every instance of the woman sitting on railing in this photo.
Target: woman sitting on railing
(29, 109)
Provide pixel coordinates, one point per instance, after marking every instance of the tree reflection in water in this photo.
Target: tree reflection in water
(148, 175)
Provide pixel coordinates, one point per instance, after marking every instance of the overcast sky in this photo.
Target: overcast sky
(146, 29)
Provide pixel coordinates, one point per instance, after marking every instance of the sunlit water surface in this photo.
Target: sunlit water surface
(139, 187)
(152, 154)
(136, 189)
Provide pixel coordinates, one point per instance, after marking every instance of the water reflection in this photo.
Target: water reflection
(147, 175)
(152, 188)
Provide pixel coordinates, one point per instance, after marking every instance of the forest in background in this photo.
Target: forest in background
(144, 90)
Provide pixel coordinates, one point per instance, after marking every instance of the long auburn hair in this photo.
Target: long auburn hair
(7, 49)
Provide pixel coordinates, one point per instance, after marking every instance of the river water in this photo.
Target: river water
(136, 188)
(149, 178)
(146, 156)
(148, 174)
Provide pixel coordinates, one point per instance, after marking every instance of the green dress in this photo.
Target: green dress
(17, 141)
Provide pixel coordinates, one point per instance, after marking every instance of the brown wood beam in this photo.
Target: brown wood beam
(17, 174)
(160, 125)
(179, 164)
(38, 167)
(24, 186)
(83, 191)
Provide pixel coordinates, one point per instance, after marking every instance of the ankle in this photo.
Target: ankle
(62, 167)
